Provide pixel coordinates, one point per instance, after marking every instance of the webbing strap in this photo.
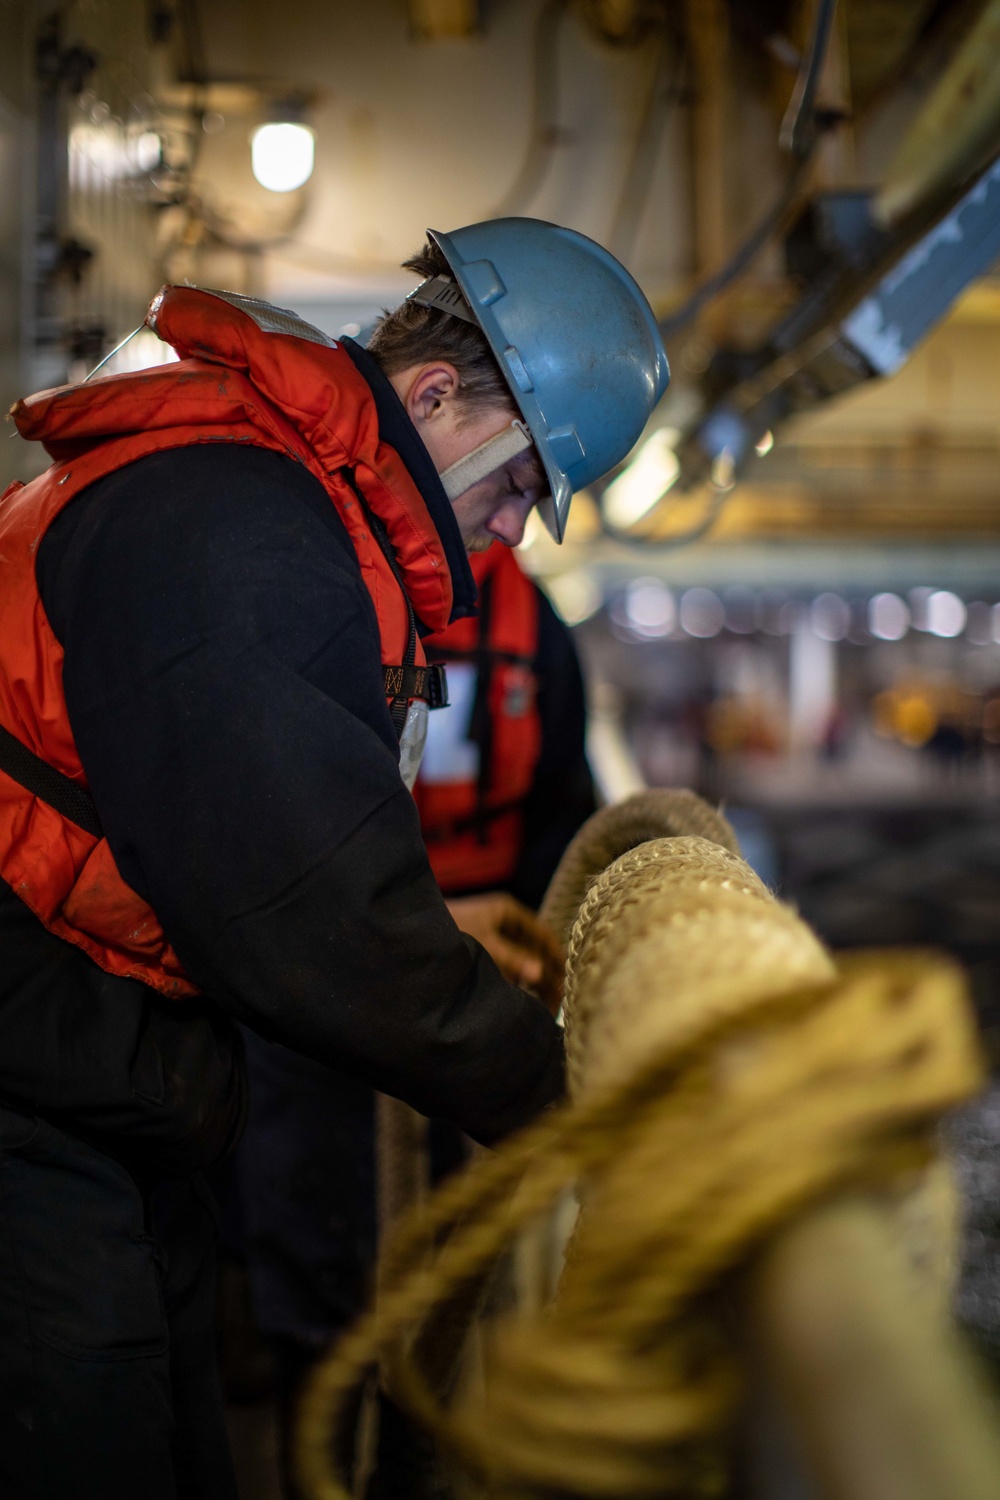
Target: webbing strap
(429, 683)
(485, 459)
(45, 782)
(407, 680)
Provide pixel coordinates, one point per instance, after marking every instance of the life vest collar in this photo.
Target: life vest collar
(300, 380)
(396, 429)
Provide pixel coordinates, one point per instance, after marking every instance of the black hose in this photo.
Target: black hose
(741, 260)
(799, 128)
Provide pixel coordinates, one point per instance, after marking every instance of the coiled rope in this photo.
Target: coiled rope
(725, 1075)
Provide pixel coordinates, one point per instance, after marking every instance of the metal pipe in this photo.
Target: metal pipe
(884, 1401)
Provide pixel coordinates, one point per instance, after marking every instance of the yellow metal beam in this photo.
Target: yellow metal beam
(434, 20)
(616, 20)
(709, 39)
(959, 124)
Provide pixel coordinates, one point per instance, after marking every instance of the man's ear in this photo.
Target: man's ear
(433, 390)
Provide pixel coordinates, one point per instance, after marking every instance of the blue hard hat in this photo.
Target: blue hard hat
(575, 338)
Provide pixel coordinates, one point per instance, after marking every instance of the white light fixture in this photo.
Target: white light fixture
(764, 444)
(645, 481)
(282, 155)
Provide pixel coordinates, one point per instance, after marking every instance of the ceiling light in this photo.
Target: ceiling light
(282, 156)
(645, 480)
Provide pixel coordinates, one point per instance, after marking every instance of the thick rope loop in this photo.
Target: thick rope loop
(724, 1076)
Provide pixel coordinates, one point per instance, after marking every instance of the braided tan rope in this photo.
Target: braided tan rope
(615, 830)
(724, 1075)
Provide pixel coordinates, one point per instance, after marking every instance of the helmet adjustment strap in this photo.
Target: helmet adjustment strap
(444, 295)
(486, 459)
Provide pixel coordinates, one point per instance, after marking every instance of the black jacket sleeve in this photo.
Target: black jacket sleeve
(562, 793)
(223, 679)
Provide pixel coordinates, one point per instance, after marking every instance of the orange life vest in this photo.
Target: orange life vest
(472, 811)
(247, 374)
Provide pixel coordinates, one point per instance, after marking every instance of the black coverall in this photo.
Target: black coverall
(223, 682)
(299, 1193)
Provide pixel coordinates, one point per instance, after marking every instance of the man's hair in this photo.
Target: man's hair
(414, 335)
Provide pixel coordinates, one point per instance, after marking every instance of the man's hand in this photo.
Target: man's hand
(524, 949)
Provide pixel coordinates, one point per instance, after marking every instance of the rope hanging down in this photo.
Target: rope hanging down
(725, 1078)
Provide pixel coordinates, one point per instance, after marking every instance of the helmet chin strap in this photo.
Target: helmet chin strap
(486, 459)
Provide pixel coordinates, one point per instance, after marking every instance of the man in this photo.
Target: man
(504, 784)
(212, 690)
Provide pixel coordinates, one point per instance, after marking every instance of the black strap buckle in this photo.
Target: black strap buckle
(428, 683)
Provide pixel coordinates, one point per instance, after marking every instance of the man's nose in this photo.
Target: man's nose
(507, 524)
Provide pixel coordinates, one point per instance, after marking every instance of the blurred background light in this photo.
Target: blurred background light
(919, 598)
(724, 470)
(148, 150)
(576, 595)
(888, 617)
(702, 613)
(978, 624)
(649, 608)
(282, 155)
(830, 617)
(945, 614)
(533, 530)
(644, 481)
(769, 608)
(741, 610)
